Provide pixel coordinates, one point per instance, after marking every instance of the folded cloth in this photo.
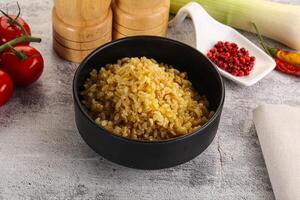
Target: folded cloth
(278, 130)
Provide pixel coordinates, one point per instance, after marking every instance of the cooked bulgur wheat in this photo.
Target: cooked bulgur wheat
(138, 98)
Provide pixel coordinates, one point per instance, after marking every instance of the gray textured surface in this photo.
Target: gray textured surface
(43, 157)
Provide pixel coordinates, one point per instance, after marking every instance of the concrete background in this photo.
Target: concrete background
(42, 155)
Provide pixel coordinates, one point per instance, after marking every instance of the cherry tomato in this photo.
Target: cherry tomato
(6, 87)
(23, 72)
(9, 32)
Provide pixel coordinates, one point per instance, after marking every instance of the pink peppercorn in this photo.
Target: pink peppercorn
(229, 57)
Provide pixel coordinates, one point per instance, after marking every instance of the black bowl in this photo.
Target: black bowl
(158, 154)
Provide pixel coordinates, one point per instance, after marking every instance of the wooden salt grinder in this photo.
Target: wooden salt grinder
(140, 17)
(79, 26)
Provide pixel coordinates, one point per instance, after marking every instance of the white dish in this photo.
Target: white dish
(209, 32)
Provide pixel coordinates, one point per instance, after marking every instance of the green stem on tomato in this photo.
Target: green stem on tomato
(15, 22)
(23, 38)
(12, 21)
(19, 11)
(19, 25)
(19, 54)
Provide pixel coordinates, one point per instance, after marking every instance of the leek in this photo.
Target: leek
(278, 21)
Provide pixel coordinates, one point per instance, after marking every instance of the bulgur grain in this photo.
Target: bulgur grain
(138, 98)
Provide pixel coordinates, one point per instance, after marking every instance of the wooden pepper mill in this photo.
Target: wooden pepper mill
(80, 26)
(140, 17)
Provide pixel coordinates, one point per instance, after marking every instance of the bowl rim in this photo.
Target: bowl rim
(171, 140)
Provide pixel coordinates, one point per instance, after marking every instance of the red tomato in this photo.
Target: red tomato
(9, 32)
(23, 72)
(6, 87)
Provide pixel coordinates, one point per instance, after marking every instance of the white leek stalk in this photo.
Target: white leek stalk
(278, 21)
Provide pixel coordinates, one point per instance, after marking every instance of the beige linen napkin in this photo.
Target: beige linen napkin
(278, 130)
